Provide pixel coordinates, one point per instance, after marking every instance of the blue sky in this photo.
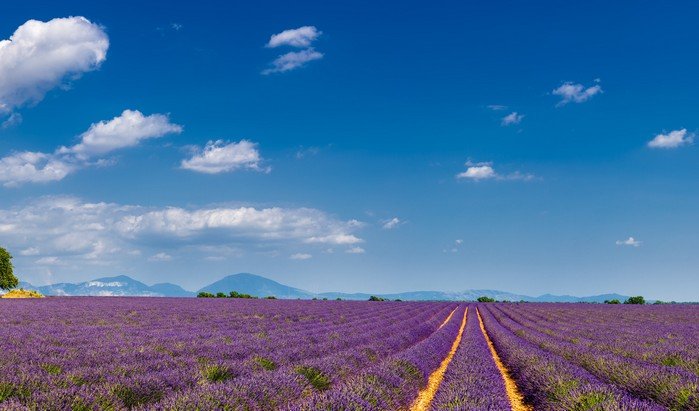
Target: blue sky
(355, 146)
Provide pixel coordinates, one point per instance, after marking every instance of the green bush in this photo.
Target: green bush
(635, 300)
(205, 294)
(235, 294)
(315, 377)
(375, 298)
(613, 301)
(484, 299)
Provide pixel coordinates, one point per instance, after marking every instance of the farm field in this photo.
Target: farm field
(171, 354)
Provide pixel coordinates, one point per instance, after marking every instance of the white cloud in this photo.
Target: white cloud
(355, 250)
(300, 256)
(392, 223)
(497, 107)
(81, 232)
(456, 247)
(576, 93)
(631, 242)
(485, 171)
(33, 167)
(29, 251)
(126, 130)
(478, 171)
(673, 139)
(300, 37)
(160, 257)
(41, 55)
(293, 60)
(219, 157)
(512, 118)
(48, 261)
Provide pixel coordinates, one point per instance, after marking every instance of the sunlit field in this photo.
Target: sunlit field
(238, 354)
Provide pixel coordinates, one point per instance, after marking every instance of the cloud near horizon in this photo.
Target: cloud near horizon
(126, 130)
(70, 229)
(40, 56)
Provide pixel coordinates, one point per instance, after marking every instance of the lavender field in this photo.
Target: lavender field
(234, 354)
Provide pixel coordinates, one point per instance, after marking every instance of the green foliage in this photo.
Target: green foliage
(658, 302)
(375, 298)
(52, 368)
(270, 297)
(612, 301)
(216, 373)
(397, 300)
(315, 377)
(265, 363)
(338, 299)
(235, 294)
(135, 397)
(8, 280)
(484, 299)
(221, 295)
(205, 294)
(635, 300)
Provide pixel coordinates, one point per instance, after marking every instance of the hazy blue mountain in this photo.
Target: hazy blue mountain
(171, 290)
(111, 286)
(252, 284)
(260, 286)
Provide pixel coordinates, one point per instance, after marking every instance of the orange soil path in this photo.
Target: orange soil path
(426, 395)
(513, 394)
(448, 318)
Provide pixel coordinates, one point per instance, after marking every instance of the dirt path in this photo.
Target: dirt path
(448, 318)
(426, 395)
(515, 396)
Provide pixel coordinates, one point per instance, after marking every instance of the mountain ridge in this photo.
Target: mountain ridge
(253, 284)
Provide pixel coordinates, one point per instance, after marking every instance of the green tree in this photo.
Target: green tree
(635, 300)
(375, 298)
(612, 301)
(8, 280)
(484, 299)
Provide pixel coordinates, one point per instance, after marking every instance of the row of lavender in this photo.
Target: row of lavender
(75, 353)
(570, 357)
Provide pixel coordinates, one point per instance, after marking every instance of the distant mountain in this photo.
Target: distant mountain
(255, 285)
(262, 287)
(111, 286)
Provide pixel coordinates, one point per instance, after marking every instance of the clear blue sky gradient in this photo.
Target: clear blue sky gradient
(396, 106)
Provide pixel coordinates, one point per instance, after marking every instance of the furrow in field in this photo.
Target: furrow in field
(513, 393)
(426, 395)
(448, 318)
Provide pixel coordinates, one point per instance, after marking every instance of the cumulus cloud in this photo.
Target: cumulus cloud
(630, 242)
(126, 130)
(673, 139)
(575, 92)
(40, 56)
(300, 256)
(84, 232)
(219, 157)
(392, 223)
(293, 60)
(485, 171)
(300, 37)
(512, 118)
